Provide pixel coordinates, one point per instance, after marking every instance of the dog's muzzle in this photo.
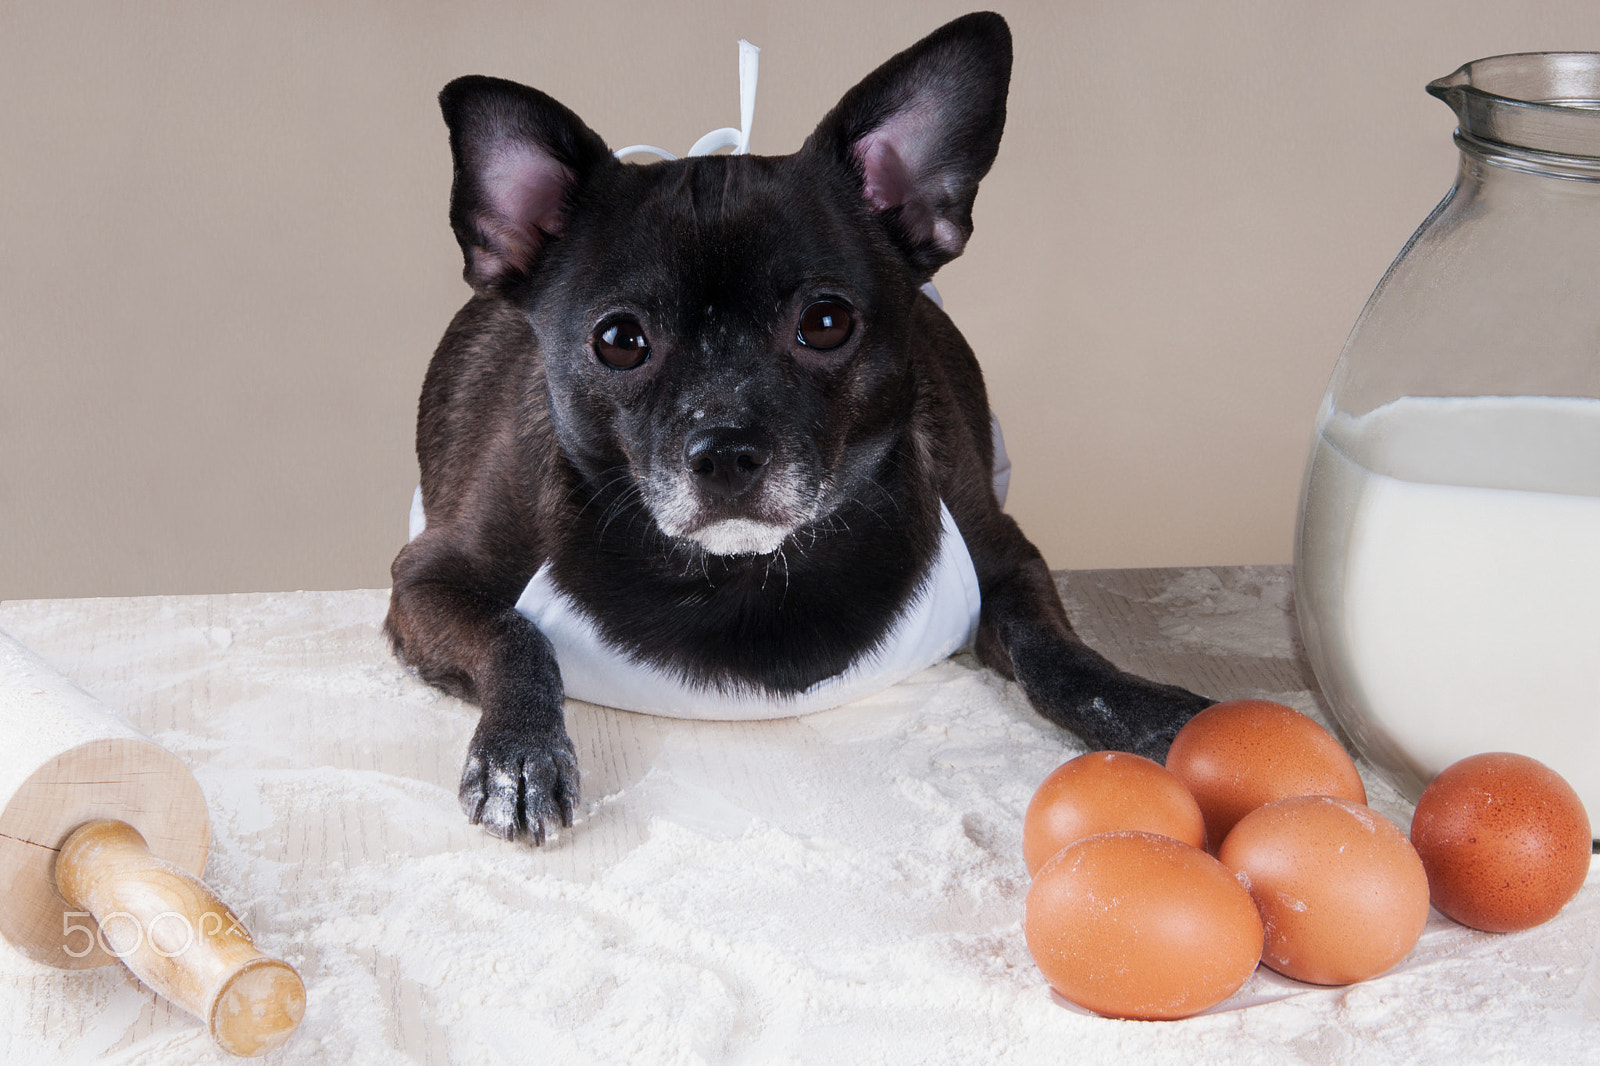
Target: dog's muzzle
(731, 492)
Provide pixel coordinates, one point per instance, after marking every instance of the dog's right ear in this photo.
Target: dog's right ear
(920, 132)
(519, 155)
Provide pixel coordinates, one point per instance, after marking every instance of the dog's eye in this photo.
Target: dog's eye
(825, 324)
(621, 344)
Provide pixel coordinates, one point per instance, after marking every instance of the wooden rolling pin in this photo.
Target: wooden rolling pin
(103, 834)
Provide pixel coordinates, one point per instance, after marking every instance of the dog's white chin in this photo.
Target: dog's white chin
(740, 536)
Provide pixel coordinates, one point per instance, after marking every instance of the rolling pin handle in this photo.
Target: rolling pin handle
(179, 938)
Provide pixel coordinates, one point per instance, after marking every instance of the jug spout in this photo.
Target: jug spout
(1547, 102)
(1448, 88)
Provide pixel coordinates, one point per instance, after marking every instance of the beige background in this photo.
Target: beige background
(224, 256)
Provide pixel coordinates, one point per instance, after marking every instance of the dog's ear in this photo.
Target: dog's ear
(519, 156)
(919, 132)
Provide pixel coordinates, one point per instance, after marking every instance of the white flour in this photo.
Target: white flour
(844, 888)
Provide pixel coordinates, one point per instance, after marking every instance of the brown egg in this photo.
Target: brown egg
(1138, 925)
(1341, 892)
(1104, 791)
(1238, 755)
(1505, 841)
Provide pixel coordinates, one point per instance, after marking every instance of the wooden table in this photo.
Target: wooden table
(837, 888)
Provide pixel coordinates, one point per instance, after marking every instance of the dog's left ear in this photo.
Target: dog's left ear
(918, 134)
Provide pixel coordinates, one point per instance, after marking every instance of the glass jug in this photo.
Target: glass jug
(1447, 559)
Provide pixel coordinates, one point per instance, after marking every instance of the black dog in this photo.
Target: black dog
(706, 401)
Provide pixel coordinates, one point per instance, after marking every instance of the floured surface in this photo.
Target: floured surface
(846, 887)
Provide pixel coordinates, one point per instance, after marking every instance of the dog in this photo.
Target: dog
(702, 417)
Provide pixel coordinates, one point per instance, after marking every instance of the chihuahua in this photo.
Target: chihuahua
(702, 444)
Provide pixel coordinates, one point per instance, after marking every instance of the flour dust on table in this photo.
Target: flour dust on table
(843, 887)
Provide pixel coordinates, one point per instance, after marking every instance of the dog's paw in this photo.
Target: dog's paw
(516, 784)
(1133, 714)
(1167, 709)
(1106, 707)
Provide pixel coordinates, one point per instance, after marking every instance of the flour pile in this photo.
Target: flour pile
(843, 888)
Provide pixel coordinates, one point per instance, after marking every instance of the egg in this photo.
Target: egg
(1138, 925)
(1342, 894)
(1237, 755)
(1105, 791)
(1504, 839)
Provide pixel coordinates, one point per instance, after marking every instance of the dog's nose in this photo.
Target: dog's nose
(724, 461)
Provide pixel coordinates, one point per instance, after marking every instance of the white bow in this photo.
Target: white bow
(727, 137)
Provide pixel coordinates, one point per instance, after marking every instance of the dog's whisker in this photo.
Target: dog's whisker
(616, 507)
(615, 510)
(602, 489)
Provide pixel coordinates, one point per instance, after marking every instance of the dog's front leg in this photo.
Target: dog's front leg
(521, 772)
(1023, 633)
